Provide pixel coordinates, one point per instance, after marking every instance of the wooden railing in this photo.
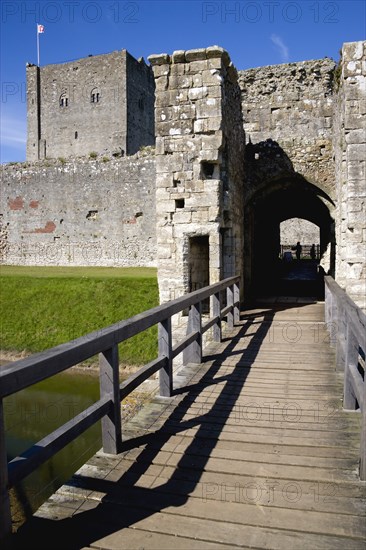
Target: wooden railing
(346, 323)
(24, 373)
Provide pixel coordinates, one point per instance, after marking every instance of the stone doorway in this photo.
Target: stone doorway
(199, 262)
(266, 272)
(199, 265)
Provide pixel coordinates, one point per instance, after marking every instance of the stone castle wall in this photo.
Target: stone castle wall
(293, 105)
(305, 136)
(84, 212)
(297, 229)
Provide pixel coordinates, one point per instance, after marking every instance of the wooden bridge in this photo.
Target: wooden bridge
(247, 446)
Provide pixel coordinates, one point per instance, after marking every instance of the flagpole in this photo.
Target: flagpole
(37, 46)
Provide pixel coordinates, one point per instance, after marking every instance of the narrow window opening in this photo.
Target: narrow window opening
(179, 203)
(76, 135)
(64, 100)
(94, 95)
(207, 170)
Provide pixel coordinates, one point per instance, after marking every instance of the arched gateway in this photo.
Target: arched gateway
(238, 153)
(275, 192)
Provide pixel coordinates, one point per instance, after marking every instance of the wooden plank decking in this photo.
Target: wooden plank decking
(254, 451)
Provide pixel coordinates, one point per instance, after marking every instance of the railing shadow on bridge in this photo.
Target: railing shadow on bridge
(125, 503)
(135, 502)
(104, 342)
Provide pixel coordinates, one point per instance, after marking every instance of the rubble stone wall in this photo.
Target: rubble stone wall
(84, 212)
(298, 229)
(292, 104)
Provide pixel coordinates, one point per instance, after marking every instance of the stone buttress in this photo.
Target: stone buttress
(199, 169)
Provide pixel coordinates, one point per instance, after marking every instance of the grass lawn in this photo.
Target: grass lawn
(45, 306)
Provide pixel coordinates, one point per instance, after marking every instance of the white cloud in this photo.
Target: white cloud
(281, 47)
(13, 136)
(13, 131)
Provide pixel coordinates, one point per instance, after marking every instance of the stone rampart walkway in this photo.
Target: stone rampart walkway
(253, 451)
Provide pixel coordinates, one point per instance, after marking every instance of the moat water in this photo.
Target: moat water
(35, 412)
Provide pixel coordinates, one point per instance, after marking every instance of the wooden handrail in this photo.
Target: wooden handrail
(19, 375)
(38, 367)
(23, 465)
(346, 323)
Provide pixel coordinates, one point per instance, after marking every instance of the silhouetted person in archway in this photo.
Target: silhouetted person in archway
(298, 249)
(312, 252)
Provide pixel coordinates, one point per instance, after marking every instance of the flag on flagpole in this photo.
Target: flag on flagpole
(40, 30)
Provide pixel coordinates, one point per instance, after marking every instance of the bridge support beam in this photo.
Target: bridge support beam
(230, 302)
(109, 385)
(363, 439)
(193, 353)
(349, 399)
(165, 349)
(236, 303)
(216, 312)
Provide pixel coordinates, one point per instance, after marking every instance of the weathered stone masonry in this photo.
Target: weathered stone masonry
(288, 118)
(86, 212)
(350, 164)
(100, 103)
(198, 183)
(293, 105)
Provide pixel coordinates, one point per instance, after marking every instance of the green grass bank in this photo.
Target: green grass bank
(46, 306)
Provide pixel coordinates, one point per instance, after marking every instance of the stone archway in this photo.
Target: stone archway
(267, 206)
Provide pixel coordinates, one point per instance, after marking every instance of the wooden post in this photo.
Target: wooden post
(5, 516)
(216, 311)
(340, 328)
(334, 320)
(109, 385)
(236, 303)
(329, 311)
(328, 305)
(349, 399)
(230, 302)
(193, 352)
(340, 331)
(165, 348)
(363, 437)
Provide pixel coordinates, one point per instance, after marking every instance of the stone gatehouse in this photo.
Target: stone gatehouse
(236, 153)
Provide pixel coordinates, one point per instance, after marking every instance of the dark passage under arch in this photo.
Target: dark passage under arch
(264, 270)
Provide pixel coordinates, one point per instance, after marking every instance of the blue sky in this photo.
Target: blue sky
(254, 32)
